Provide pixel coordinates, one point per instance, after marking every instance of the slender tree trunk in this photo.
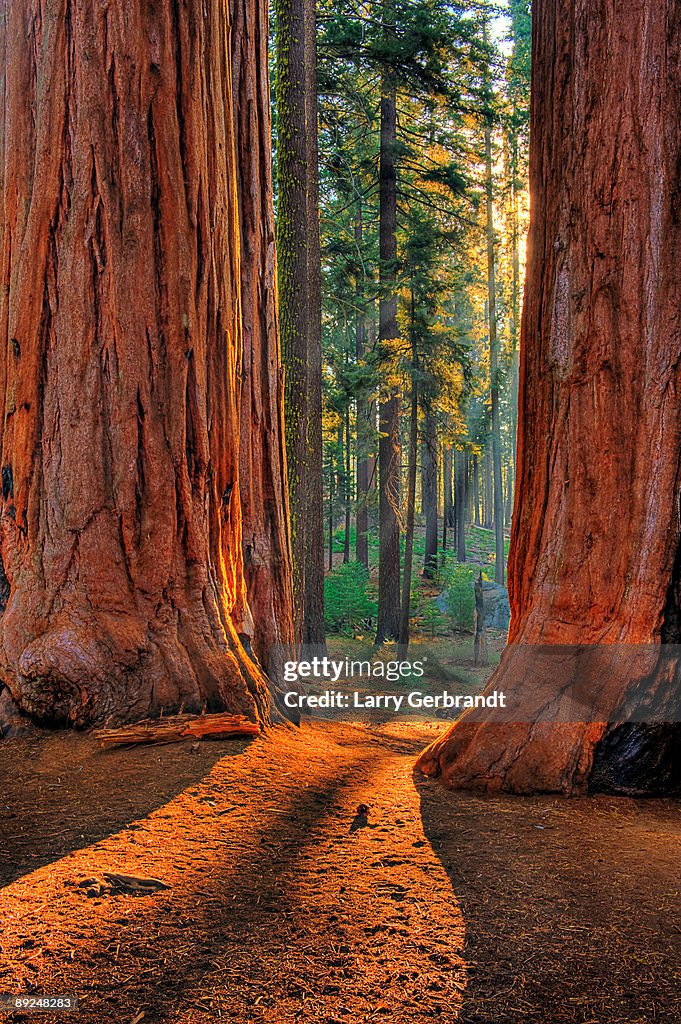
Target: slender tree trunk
(340, 464)
(263, 486)
(121, 348)
(512, 157)
(314, 628)
(470, 513)
(300, 304)
(411, 509)
(487, 511)
(291, 236)
(331, 501)
(508, 490)
(514, 316)
(480, 654)
(460, 504)
(430, 490)
(596, 535)
(363, 424)
(476, 490)
(448, 503)
(493, 348)
(348, 487)
(389, 409)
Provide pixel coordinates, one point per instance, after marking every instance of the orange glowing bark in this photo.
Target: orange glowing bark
(120, 357)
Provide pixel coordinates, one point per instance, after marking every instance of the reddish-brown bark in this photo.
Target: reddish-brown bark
(263, 487)
(596, 523)
(120, 357)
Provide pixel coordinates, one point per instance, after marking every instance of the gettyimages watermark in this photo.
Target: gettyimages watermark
(535, 683)
(365, 670)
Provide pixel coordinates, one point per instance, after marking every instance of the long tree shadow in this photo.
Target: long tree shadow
(267, 919)
(569, 905)
(58, 796)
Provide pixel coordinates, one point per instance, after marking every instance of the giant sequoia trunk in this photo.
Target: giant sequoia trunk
(263, 487)
(120, 358)
(595, 537)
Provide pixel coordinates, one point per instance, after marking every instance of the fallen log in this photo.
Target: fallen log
(177, 728)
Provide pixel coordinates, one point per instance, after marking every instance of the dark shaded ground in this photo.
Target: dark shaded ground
(59, 794)
(286, 905)
(572, 907)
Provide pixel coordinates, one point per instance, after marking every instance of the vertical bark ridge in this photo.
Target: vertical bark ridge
(596, 525)
(264, 488)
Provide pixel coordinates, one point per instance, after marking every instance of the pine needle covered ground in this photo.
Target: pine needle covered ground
(285, 904)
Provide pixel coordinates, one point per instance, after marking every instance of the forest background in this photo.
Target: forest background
(400, 140)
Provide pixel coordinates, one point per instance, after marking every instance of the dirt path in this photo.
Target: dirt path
(285, 905)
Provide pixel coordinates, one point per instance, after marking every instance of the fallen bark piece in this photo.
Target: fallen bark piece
(134, 884)
(177, 728)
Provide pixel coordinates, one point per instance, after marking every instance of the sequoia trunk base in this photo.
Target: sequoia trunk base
(122, 585)
(596, 523)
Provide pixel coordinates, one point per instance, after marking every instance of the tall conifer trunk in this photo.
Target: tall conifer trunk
(362, 421)
(596, 532)
(120, 358)
(430, 490)
(300, 304)
(389, 409)
(292, 269)
(314, 629)
(448, 494)
(487, 504)
(411, 509)
(348, 485)
(497, 481)
(460, 504)
(476, 490)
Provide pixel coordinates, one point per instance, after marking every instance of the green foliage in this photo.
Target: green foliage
(519, 67)
(451, 78)
(432, 619)
(348, 605)
(459, 595)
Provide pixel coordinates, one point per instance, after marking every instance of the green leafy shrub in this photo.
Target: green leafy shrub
(459, 595)
(348, 605)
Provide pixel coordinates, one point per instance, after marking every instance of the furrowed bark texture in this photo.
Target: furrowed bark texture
(120, 358)
(314, 630)
(596, 522)
(263, 485)
(299, 273)
(292, 273)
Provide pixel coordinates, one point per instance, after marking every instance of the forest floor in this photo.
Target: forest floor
(285, 905)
